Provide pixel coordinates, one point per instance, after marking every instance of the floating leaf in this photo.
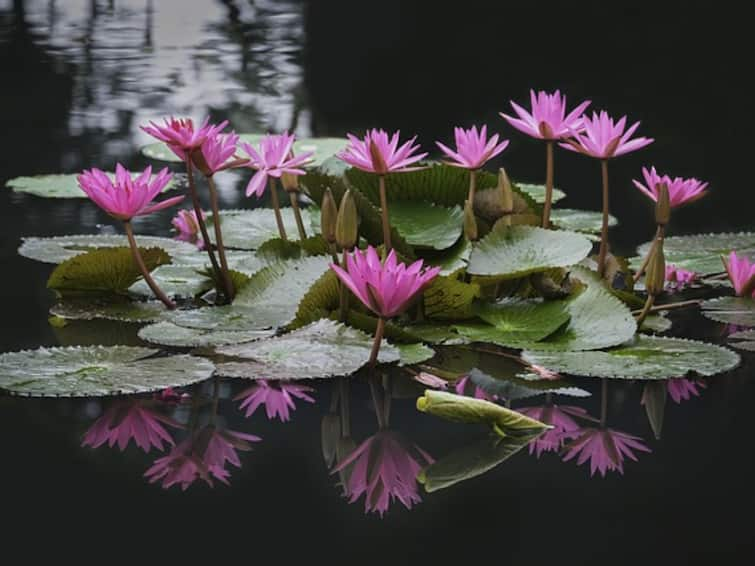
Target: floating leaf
(463, 409)
(512, 387)
(175, 281)
(123, 311)
(414, 353)
(645, 357)
(426, 225)
(322, 349)
(451, 260)
(448, 298)
(537, 192)
(104, 270)
(730, 310)
(278, 249)
(97, 371)
(55, 186)
(510, 252)
(249, 229)
(320, 300)
(60, 248)
(169, 334)
(747, 338)
(579, 220)
(656, 323)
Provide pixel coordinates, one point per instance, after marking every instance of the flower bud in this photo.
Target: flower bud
(470, 222)
(347, 222)
(507, 193)
(378, 161)
(655, 273)
(328, 215)
(290, 182)
(662, 205)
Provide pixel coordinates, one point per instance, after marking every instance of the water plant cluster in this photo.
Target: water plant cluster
(381, 261)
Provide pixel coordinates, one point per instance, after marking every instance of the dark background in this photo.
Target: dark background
(681, 68)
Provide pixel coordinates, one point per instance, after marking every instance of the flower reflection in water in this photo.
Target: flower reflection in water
(682, 389)
(203, 455)
(276, 396)
(126, 420)
(560, 418)
(605, 448)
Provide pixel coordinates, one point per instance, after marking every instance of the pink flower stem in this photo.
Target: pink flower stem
(387, 401)
(294, 196)
(472, 187)
(379, 331)
(343, 385)
(660, 234)
(603, 402)
(548, 184)
(277, 210)
(139, 261)
(604, 229)
(379, 412)
(200, 217)
(343, 295)
(225, 277)
(384, 214)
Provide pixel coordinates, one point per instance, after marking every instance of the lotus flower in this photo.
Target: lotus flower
(473, 149)
(548, 120)
(682, 389)
(604, 139)
(605, 448)
(187, 226)
(276, 396)
(180, 135)
(272, 158)
(384, 468)
(680, 191)
(385, 288)
(124, 421)
(379, 154)
(466, 387)
(216, 151)
(678, 277)
(126, 197)
(741, 274)
(564, 426)
(202, 456)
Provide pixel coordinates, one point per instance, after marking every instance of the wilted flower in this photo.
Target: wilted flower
(187, 226)
(124, 421)
(384, 468)
(560, 418)
(741, 274)
(548, 119)
(384, 287)
(180, 135)
(126, 197)
(682, 389)
(473, 149)
(603, 139)
(605, 448)
(680, 190)
(276, 396)
(678, 277)
(272, 158)
(376, 153)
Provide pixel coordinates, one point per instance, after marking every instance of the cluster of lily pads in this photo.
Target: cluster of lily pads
(382, 258)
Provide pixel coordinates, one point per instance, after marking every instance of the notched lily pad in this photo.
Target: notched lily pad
(426, 225)
(54, 186)
(537, 192)
(575, 220)
(169, 334)
(122, 311)
(249, 229)
(97, 371)
(175, 281)
(730, 310)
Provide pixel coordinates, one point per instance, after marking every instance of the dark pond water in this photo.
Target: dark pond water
(80, 76)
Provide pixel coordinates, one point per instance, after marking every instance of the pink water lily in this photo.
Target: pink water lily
(126, 197)
(560, 418)
(741, 274)
(216, 152)
(377, 153)
(681, 389)
(603, 138)
(606, 449)
(384, 468)
(272, 158)
(180, 135)
(678, 278)
(680, 191)
(548, 119)
(384, 287)
(202, 456)
(277, 397)
(187, 226)
(131, 420)
(473, 148)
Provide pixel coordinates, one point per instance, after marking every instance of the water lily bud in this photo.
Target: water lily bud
(655, 274)
(507, 193)
(662, 205)
(290, 182)
(347, 222)
(470, 222)
(328, 215)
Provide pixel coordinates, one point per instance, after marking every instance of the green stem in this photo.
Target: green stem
(384, 214)
(379, 331)
(294, 197)
(139, 261)
(604, 229)
(277, 210)
(548, 184)
(670, 306)
(200, 217)
(225, 277)
(660, 233)
(343, 295)
(645, 310)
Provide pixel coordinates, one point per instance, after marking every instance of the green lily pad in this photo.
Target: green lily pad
(451, 260)
(730, 310)
(169, 334)
(175, 281)
(580, 220)
(249, 229)
(411, 354)
(743, 340)
(511, 252)
(448, 298)
(123, 311)
(97, 371)
(537, 192)
(56, 186)
(425, 225)
(645, 357)
(460, 408)
(657, 324)
(322, 349)
(513, 387)
(60, 248)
